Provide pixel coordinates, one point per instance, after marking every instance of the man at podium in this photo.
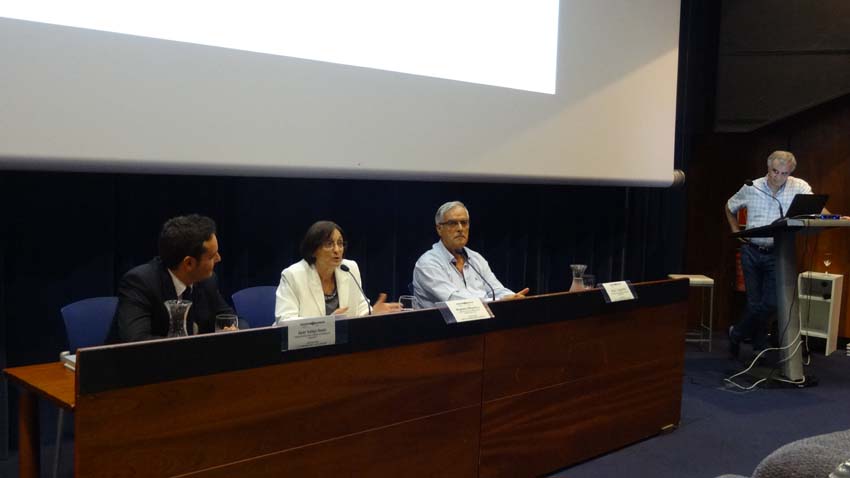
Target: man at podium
(766, 199)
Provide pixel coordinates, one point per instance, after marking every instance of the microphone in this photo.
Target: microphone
(781, 212)
(347, 269)
(466, 259)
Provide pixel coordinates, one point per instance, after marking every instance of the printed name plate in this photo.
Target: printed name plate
(618, 291)
(464, 310)
(311, 332)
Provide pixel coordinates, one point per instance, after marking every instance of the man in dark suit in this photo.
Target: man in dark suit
(188, 252)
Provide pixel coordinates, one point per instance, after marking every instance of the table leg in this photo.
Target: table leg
(29, 443)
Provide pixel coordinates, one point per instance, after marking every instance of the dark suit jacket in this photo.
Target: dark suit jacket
(141, 313)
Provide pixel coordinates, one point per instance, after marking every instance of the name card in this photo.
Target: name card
(465, 310)
(311, 332)
(618, 291)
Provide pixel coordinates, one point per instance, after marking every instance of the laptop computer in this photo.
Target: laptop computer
(806, 206)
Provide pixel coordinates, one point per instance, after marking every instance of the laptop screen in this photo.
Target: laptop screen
(806, 204)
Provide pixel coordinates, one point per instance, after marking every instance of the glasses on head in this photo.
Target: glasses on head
(464, 223)
(329, 245)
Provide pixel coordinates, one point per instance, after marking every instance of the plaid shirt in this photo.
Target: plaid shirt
(762, 209)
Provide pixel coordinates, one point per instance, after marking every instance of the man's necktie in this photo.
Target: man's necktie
(190, 325)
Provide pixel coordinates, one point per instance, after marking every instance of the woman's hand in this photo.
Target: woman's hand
(383, 307)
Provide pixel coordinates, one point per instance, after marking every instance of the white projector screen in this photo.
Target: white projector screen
(570, 91)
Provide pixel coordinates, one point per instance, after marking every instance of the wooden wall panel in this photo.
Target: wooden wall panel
(302, 403)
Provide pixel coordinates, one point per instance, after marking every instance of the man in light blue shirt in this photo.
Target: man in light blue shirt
(450, 270)
(765, 199)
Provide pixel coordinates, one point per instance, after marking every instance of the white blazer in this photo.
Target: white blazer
(300, 292)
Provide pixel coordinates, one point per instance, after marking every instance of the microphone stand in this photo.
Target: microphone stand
(466, 259)
(781, 211)
(348, 269)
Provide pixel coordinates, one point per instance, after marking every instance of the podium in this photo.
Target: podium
(784, 234)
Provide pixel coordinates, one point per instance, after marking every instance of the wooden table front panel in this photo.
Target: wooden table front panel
(443, 445)
(560, 393)
(204, 422)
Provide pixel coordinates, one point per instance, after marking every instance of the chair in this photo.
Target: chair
(255, 305)
(87, 323)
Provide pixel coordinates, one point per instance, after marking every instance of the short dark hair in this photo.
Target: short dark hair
(184, 236)
(317, 234)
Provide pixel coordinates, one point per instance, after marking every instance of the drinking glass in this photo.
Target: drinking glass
(406, 302)
(589, 281)
(827, 261)
(226, 322)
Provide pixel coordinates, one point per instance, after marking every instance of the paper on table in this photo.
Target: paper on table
(69, 360)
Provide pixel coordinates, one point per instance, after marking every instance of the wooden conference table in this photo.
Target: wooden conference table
(551, 381)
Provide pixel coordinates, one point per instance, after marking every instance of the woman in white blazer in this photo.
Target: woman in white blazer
(323, 283)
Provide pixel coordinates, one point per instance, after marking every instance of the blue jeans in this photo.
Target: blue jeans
(760, 279)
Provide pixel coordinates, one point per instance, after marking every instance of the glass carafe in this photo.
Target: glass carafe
(578, 271)
(178, 310)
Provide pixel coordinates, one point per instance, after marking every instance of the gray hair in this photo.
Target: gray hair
(442, 210)
(782, 157)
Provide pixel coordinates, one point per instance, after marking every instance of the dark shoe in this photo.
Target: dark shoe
(734, 343)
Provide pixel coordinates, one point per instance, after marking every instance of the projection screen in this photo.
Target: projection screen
(569, 91)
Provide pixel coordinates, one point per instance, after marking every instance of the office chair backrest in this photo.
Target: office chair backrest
(255, 305)
(87, 321)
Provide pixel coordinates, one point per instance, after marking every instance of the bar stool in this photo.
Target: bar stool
(701, 334)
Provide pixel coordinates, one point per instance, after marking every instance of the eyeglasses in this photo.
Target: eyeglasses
(464, 223)
(329, 245)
